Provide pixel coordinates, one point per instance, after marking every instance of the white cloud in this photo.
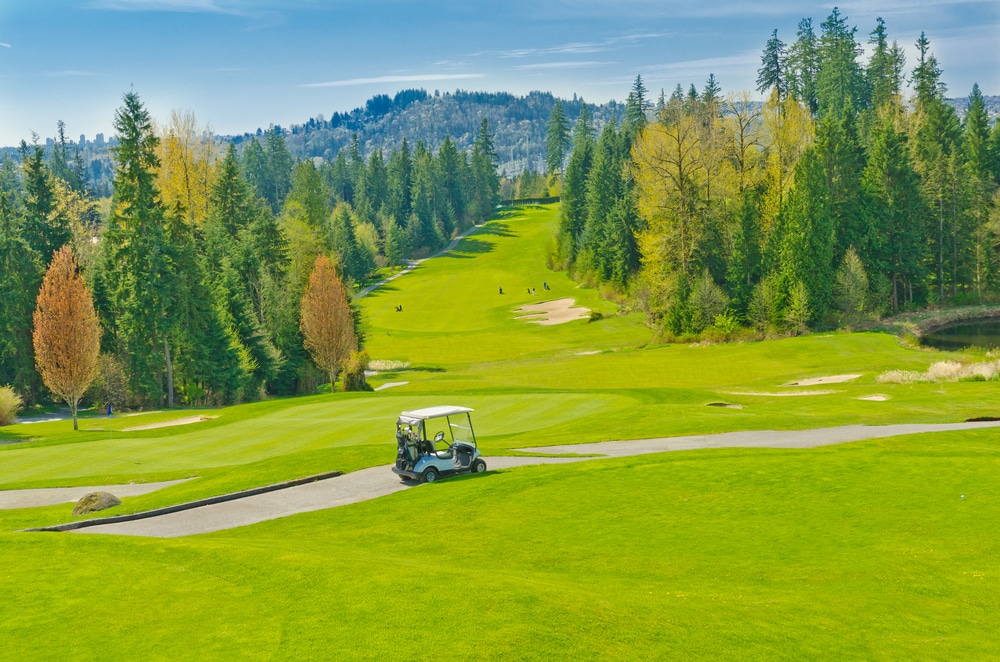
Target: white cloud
(417, 78)
(563, 65)
(4, 45)
(576, 48)
(186, 6)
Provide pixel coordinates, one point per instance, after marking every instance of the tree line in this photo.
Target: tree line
(218, 276)
(840, 198)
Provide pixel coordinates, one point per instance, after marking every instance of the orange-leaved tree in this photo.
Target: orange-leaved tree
(67, 334)
(327, 322)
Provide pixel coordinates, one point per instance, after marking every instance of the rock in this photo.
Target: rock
(91, 503)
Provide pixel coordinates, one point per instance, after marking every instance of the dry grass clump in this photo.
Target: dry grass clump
(386, 365)
(10, 404)
(945, 371)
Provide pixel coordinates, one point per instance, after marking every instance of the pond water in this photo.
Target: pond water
(981, 333)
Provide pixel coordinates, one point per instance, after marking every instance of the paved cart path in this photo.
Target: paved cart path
(380, 481)
(53, 496)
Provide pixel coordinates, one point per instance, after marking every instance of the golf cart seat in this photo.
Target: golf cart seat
(444, 455)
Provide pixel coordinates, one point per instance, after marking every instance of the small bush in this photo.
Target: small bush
(354, 372)
(10, 404)
(595, 315)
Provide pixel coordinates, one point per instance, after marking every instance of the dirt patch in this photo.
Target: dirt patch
(783, 394)
(548, 313)
(168, 424)
(815, 381)
(875, 398)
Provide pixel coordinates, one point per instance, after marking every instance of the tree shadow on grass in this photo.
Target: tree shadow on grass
(497, 230)
(469, 248)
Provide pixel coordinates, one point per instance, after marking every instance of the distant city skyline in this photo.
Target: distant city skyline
(240, 65)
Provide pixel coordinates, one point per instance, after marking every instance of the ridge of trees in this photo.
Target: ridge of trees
(200, 267)
(713, 212)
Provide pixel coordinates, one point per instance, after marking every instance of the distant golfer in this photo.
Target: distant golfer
(545, 285)
(501, 289)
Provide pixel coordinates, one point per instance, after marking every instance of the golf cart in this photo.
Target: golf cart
(420, 458)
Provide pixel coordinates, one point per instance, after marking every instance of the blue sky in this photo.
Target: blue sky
(243, 64)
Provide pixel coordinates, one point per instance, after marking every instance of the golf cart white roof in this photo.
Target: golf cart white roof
(434, 412)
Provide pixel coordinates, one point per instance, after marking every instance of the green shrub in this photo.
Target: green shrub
(10, 404)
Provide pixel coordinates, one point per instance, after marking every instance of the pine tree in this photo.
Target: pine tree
(452, 168)
(485, 193)
(635, 111)
(399, 183)
(46, 229)
(573, 210)
(807, 242)
(604, 188)
(20, 278)
(839, 81)
(895, 211)
(557, 141)
(137, 256)
(803, 66)
(773, 64)
(884, 75)
(279, 168)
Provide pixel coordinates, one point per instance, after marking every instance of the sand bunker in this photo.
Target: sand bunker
(548, 313)
(390, 385)
(783, 394)
(875, 398)
(832, 379)
(167, 424)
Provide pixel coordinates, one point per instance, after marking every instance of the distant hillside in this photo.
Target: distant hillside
(518, 122)
(961, 104)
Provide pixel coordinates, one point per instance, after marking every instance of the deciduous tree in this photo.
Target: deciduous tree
(67, 335)
(327, 323)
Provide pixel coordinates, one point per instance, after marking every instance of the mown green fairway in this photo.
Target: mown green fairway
(864, 550)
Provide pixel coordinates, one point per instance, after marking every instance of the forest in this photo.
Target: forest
(200, 263)
(854, 192)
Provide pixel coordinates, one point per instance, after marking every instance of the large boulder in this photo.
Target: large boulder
(91, 503)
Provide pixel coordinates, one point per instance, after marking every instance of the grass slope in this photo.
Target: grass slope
(859, 551)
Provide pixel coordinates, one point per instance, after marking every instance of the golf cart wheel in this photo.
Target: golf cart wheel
(479, 466)
(429, 476)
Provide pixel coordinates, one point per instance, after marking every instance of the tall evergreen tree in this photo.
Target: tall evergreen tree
(279, 168)
(573, 210)
(46, 227)
(20, 278)
(399, 183)
(137, 257)
(557, 139)
(807, 248)
(485, 193)
(839, 81)
(773, 65)
(636, 107)
(803, 66)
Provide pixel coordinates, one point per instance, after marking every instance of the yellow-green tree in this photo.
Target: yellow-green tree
(67, 335)
(187, 153)
(787, 133)
(669, 178)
